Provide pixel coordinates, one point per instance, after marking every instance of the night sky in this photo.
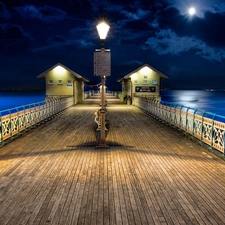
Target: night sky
(190, 49)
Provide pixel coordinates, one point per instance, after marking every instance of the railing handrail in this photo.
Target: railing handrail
(31, 105)
(22, 107)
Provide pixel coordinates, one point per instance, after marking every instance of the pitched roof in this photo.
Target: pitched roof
(139, 68)
(77, 75)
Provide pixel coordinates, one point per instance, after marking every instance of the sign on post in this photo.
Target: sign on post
(102, 64)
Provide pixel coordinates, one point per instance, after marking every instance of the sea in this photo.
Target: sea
(13, 99)
(206, 100)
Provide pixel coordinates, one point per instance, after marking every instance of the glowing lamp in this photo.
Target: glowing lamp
(59, 70)
(103, 29)
(146, 70)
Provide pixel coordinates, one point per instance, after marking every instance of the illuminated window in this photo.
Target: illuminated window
(50, 82)
(69, 83)
(145, 81)
(60, 82)
(136, 82)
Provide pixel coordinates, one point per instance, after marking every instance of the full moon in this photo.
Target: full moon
(191, 11)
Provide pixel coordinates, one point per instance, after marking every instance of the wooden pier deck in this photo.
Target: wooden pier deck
(151, 174)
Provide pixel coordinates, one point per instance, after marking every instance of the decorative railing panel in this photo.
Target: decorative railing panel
(205, 126)
(13, 121)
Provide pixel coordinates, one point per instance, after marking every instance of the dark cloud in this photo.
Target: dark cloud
(167, 42)
(134, 40)
(59, 43)
(4, 14)
(13, 32)
(13, 39)
(45, 13)
(119, 2)
(137, 26)
(83, 30)
(171, 18)
(56, 39)
(209, 29)
(127, 41)
(132, 62)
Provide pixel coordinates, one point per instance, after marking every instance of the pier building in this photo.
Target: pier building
(62, 81)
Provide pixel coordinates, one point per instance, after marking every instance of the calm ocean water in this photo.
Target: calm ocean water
(11, 99)
(210, 101)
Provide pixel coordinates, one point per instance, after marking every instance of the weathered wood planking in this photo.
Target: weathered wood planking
(151, 174)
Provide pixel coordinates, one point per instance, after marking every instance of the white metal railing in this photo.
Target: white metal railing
(14, 121)
(205, 126)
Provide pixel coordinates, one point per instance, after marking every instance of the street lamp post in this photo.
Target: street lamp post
(103, 29)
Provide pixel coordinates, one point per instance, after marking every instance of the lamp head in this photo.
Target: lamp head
(103, 29)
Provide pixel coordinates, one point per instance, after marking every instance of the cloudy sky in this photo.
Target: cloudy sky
(190, 49)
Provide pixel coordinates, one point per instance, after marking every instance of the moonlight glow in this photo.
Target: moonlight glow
(191, 11)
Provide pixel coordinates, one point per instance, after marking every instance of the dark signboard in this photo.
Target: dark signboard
(102, 64)
(144, 89)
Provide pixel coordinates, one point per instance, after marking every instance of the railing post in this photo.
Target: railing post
(202, 126)
(187, 118)
(212, 133)
(193, 134)
(180, 116)
(1, 129)
(10, 123)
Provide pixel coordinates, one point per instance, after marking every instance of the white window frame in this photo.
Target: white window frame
(145, 81)
(50, 82)
(60, 82)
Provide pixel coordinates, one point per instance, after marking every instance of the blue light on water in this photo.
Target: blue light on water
(210, 101)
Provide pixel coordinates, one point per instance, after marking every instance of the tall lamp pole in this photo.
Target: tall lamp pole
(103, 29)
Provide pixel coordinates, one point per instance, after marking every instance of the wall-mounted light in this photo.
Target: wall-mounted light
(59, 70)
(145, 70)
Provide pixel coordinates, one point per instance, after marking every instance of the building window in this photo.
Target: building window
(60, 82)
(145, 81)
(154, 82)
(69, 83)
(50, 82)
(136, 82)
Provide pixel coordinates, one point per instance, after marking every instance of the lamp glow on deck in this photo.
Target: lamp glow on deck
(103, 29)
(59, 70)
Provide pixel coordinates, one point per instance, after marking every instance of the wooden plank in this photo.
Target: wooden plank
(90, 199)
(65, 208)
